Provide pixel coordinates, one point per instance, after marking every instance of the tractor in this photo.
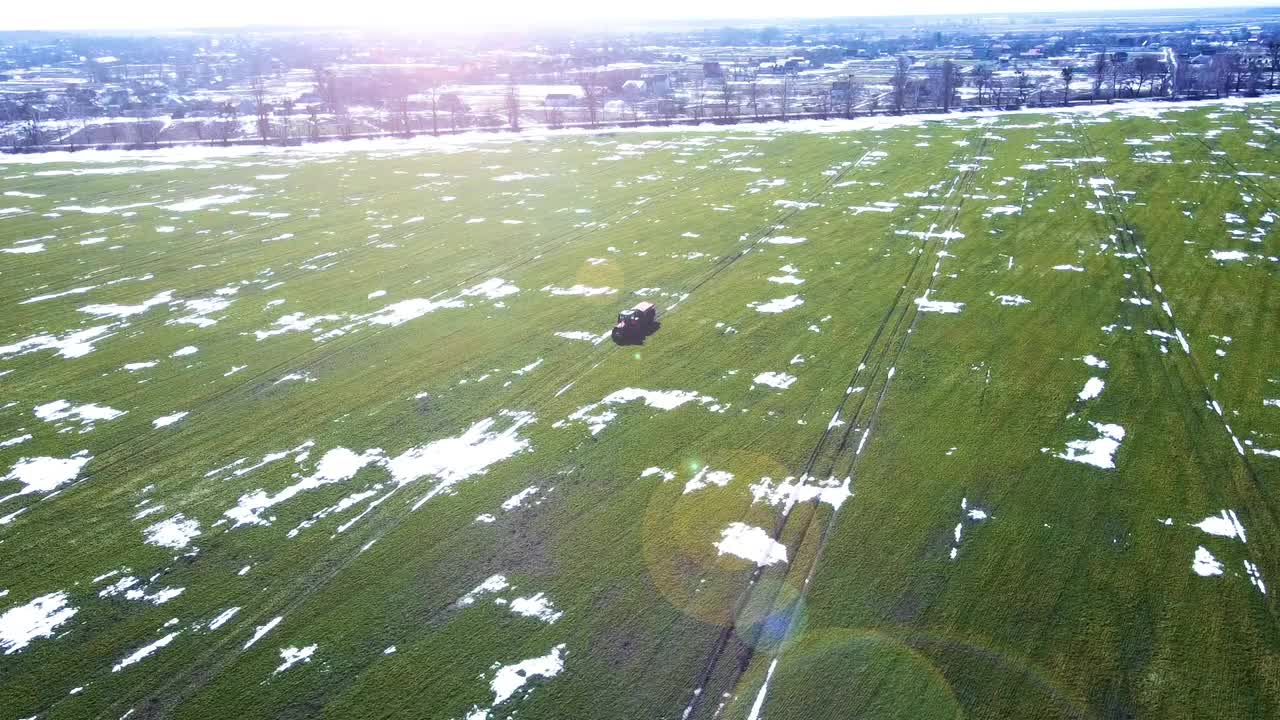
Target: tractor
(635, 323)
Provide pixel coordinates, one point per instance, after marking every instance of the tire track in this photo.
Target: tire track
(1144, 283)
(820, 450)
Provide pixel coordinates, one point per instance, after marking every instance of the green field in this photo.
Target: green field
(976, 418)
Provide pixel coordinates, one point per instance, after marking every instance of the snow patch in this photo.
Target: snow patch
(751, 543)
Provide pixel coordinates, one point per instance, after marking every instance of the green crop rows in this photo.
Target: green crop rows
(397, 492)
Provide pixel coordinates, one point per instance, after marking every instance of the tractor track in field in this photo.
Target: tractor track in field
(322, 352)
(821, 449)
(1258, 188)
(223, 653)
(1144, 283)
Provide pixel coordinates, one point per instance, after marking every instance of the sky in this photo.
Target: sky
(505, 14)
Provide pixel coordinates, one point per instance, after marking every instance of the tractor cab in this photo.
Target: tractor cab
(635, 322)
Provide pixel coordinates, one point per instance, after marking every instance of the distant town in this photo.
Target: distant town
(67, 91)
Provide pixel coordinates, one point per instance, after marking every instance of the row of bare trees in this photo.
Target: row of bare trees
(413, 102)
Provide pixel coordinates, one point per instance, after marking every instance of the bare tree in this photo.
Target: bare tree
(313, 127)
(1117, 71)
(68, 117)
(753, 97)
(346, 125)
(1099, 73)
(1145, 68)
(143, 128)
(850, 97)
(229, 121)
(554, 115)
(1180, 80)
(456, 111)
(982, 76)
(1221, 72)
(327, 87)
(263, 110)
(590, 97)
(1067, 72)
(824, 104)
(669, 109)
(433, 97)
(30, 131)
(786, 92)
(1273, 56)
(947, 84)
(1254, 71)
(728, 99)
(898, 81)
(512, 101)
(697, 99)
(1239, 70)
(286, 111)
(1023, 85)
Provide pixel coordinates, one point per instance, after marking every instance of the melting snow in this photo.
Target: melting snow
(261, 630)
(1092, 389)
(291, 656)
(143, 652)
(177, 532)
(39, 618)
(223, 617)
(758, 705)
(582, 335)
(124, 311)
(579, 290)
(778, 380)
(518, 499)
(86, 414)
(336, 465)
(1225, 525)
(167, 420)
(510, 678)
(938, 306)
(1204, 564)
(1255, 576)
(790, 491)
(493, 289)
(660, 399)
(193, 204)
(1099, 452)
(492, 584)
(72, 345)
(707, 477)
(777, 305)
(751, 543)
(1229, 255)
(536, 606)
(44, 474)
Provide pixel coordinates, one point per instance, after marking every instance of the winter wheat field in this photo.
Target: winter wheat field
(965, 418)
